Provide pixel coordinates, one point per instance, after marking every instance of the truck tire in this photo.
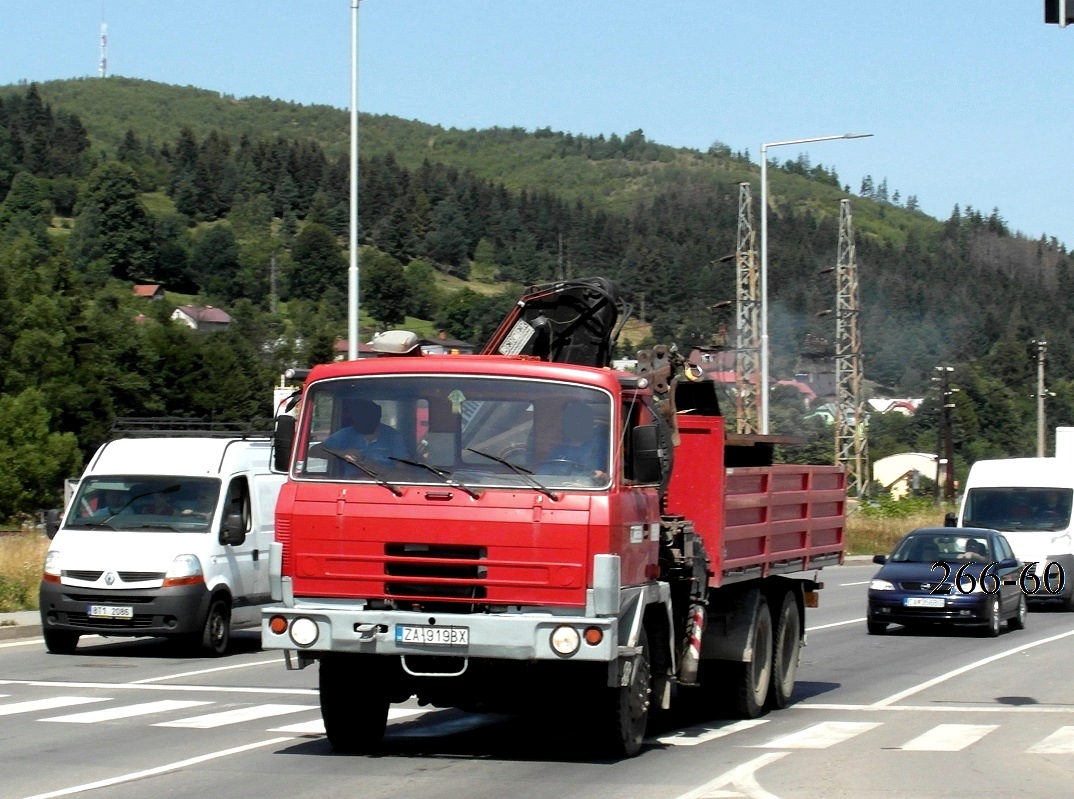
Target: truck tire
(785, 652)
(60, 642)
(624, 714)
(354, 703)
(216, 631)
(751, 681)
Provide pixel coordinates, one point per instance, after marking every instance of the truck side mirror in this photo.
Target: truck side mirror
(950, 519)
(283, 436)
(648, 457)
(52, 522)
(234, 530)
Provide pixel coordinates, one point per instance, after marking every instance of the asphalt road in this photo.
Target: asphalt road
(935, 714)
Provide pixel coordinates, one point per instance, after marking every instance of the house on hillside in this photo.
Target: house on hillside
(442, 345)
(150, 291)
(204, 319)
(899, 474)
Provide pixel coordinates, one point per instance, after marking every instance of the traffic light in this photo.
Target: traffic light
(1059, 12)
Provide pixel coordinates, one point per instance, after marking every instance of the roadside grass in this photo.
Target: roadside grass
(21, 558)
(876, 534)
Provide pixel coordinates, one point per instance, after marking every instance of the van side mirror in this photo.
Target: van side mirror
(52, 522)
(283, 437)
(648, 460)
(234, 530)
(950, 519)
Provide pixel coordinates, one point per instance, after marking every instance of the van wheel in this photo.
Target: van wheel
(788, 645)
(60, 642)
(216, 634)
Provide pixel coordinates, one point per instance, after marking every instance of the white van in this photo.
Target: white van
(1029, 500)
(164, 536)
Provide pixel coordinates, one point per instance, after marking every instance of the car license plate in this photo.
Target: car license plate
(111, 612)
(432, 636)
(923, 601)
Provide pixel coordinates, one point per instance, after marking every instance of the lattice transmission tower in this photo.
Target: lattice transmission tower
(747, 316)
(851, 445)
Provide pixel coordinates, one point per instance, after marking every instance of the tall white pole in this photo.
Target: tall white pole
(763, 388)
(352, 271)
(762, 393)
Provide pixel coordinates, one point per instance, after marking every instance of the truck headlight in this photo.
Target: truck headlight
(880, 585)
(304, 631)
(565, 640)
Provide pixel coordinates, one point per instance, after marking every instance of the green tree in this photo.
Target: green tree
(384, 287)
(317, 263)
(114, 225)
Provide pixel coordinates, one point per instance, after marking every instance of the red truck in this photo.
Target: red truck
(452, 552)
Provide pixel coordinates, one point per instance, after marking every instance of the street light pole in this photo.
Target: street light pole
(352, 271)
(763, 393)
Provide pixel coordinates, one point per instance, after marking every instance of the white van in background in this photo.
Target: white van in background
(164, 536)
(1029, 500)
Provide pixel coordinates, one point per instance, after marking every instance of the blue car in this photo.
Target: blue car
(944, 575)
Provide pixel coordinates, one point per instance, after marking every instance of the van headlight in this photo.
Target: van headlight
(51, 572)
(185, 570)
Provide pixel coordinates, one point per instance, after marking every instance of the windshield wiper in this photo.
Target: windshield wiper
(521, 471)
(362, 468)
(443, 474)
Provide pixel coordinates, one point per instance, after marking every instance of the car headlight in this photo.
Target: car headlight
(880, 585)
(185, 570)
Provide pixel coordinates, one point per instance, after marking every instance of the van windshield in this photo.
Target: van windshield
(137, 502)
(1013, 509)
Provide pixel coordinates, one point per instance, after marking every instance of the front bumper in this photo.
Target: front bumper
(962, 609)
(494, 636)
(157, 611)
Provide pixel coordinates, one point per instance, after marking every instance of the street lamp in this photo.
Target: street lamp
(764, 259)
(352, 270)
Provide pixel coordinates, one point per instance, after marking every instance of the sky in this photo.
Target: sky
(966, 100)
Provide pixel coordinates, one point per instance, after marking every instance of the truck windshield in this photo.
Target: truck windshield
(1012, 509)
(138, 502)
(476, 431)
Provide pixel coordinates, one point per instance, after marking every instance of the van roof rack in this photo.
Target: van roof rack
(179, 426)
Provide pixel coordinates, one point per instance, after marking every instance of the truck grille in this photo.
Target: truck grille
(435, 571)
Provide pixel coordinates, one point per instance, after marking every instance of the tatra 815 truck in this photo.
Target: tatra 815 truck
(467, 548)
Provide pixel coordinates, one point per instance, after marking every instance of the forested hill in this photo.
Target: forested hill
(242, 203)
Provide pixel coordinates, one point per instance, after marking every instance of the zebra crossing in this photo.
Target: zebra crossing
(201, 714)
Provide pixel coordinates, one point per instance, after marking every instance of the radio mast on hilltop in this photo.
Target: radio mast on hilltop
(102, 66)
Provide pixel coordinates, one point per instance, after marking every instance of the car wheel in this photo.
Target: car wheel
(995, 619)
(877, 627)
(1018, 620)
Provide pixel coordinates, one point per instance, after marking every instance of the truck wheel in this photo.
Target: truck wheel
(625, 712)
(216, 633)
(60, 642)
(354, 703)
(788, 645)
(752, 680)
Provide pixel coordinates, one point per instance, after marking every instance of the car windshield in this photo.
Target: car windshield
(933, 547)
(137, 502)
(1013, 509)
(447, 430)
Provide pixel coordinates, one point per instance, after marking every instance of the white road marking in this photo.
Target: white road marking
(835, 624)
(820, 736)
(692, 736)
(898, 697)
(212, 720)
(1060, 742)
(316, 726)
(48, 704)
(938, 708)
(220, 689)
(23, 642)
(274, 662)
(126, 711)
(859, 582)
(741, 778)
(949, 737)
(138, 775)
